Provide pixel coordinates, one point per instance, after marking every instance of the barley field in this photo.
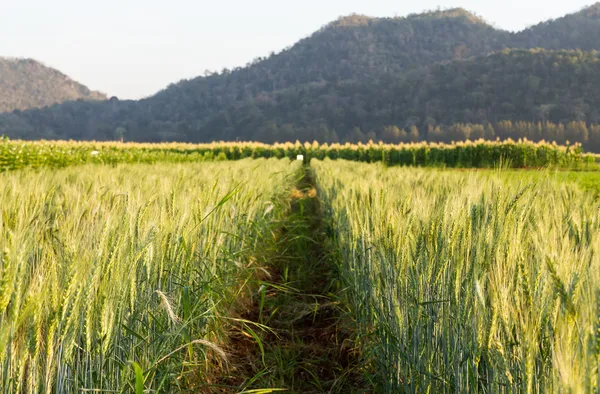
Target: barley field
(468, 282)
(229, 268)
(123, 279)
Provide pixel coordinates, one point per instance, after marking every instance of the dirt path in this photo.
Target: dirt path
(307, 348)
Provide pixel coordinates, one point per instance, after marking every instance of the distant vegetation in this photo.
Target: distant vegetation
(57, 154)
(361, 78)
(26, 84)
(576, 31)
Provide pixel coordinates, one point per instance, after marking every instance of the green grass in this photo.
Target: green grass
(128, 278)
(471, 281)
(589, 181)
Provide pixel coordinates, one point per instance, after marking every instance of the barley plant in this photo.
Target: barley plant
(121, 279)
(468, 282)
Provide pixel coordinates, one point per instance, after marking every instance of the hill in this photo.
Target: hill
(352, 79)
(518, 85)
(27, 84)
(575, 31)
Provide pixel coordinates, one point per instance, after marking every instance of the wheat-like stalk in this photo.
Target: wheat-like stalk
(485, 279)
(96, 261)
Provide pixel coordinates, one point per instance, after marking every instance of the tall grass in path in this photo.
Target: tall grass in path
(112, 279)
(469, 282)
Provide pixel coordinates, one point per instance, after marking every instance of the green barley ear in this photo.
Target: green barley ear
(516, 199)
(7, 276)
(597, 327)
(172, 208)
(491, 326)
(560, 287)
(595, 382)
(133, 285)
(525, 286)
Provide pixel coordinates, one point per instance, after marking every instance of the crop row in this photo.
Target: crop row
(101, 268)
(515, 154)
(468, 281)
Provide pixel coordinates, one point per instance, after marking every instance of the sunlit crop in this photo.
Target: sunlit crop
(468, 281)
(518, 154)
(105, 267)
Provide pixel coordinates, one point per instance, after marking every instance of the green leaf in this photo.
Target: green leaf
(139, 378)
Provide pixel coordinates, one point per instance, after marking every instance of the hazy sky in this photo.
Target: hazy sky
(133, 48)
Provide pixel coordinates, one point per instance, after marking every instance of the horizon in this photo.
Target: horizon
(136, 54)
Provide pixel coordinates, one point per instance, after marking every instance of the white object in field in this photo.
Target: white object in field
(300, 158)
(95, 153)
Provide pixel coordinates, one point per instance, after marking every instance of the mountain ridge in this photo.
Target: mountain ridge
(331, 79)
(28, 84)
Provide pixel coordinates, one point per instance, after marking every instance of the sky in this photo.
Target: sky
(134, 48)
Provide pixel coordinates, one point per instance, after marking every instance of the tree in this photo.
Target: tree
(356, 135)
(120, 133)
(391, 134)
(413, 135)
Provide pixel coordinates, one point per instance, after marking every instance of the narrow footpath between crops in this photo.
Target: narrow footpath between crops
(308, 346)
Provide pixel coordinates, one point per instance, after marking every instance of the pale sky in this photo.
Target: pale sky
(133, 48)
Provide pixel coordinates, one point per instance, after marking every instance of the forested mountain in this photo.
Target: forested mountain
(580, 30)
(27, 84)
(359, 78)
(357, 47)
(519, 85)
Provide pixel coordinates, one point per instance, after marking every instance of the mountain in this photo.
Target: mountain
(357, 77)
(518, 85)
(362, 48)
(575, 31)
(354, 48)
(27, 84)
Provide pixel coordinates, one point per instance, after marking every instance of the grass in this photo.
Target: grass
(113, 279)
(589, 181)
(468, 281)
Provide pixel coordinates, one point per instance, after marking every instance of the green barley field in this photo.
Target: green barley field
(106, 271)
(238, 268)
(471, 281)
